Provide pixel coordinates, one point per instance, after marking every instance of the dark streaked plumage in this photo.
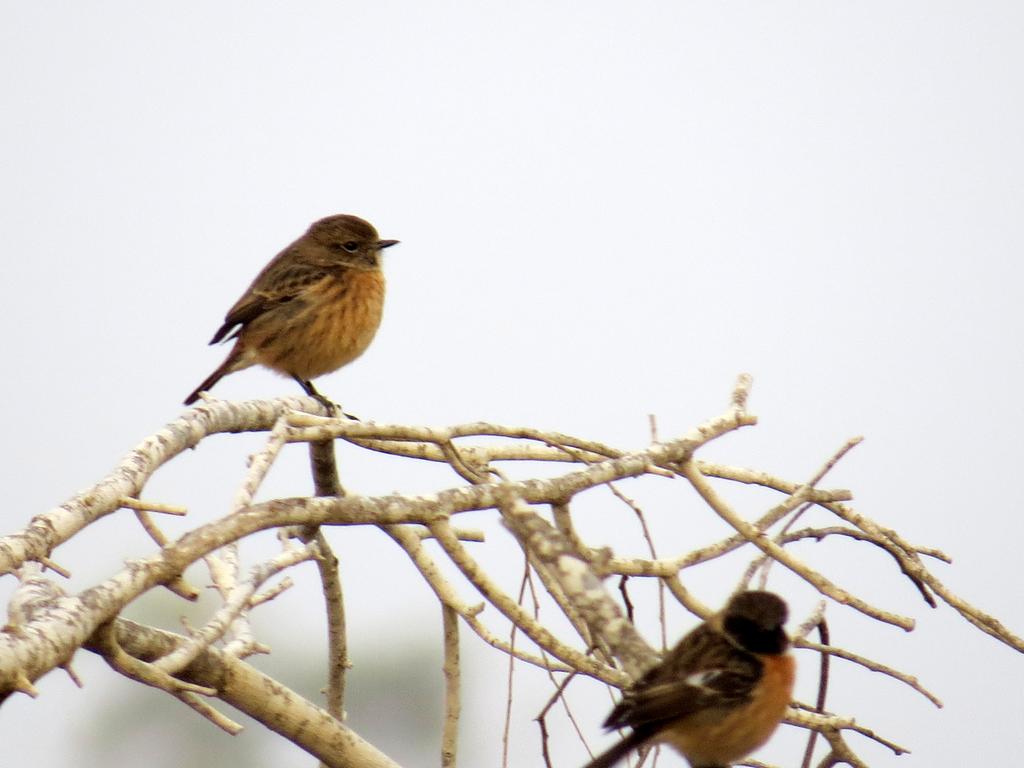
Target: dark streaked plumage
(718, 694)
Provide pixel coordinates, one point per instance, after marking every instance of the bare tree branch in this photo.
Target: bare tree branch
(585, 634)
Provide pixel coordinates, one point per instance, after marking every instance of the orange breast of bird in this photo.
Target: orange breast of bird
(720, 737)
(329, 326)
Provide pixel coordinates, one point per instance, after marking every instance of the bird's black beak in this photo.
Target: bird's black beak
(382, 244)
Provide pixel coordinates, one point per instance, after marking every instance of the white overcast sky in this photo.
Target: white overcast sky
(606, 210)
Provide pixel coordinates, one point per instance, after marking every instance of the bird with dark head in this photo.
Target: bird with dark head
(313, 309)
(719, 694)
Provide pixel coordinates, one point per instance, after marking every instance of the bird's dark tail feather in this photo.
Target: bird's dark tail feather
(230, 365)
(618, 751)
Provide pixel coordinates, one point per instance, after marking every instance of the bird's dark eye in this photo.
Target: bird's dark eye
(351, 246)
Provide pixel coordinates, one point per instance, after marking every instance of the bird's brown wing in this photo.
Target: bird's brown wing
(282, 280)
(703, 672)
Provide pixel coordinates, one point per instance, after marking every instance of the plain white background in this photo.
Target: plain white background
(606, 211)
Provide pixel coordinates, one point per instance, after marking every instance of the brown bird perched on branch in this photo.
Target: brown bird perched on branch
(719, 694)
(314, 308)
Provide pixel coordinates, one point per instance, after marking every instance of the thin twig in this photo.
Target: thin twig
(819, 706)
(874, 666)
(510, 679)
(452, 692)
(237, 601)
(766, 545)
(153, 506)
(326, 482)
(541, 718)
(642, 519)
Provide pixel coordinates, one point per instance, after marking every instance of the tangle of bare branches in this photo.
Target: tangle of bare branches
(593, 637)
